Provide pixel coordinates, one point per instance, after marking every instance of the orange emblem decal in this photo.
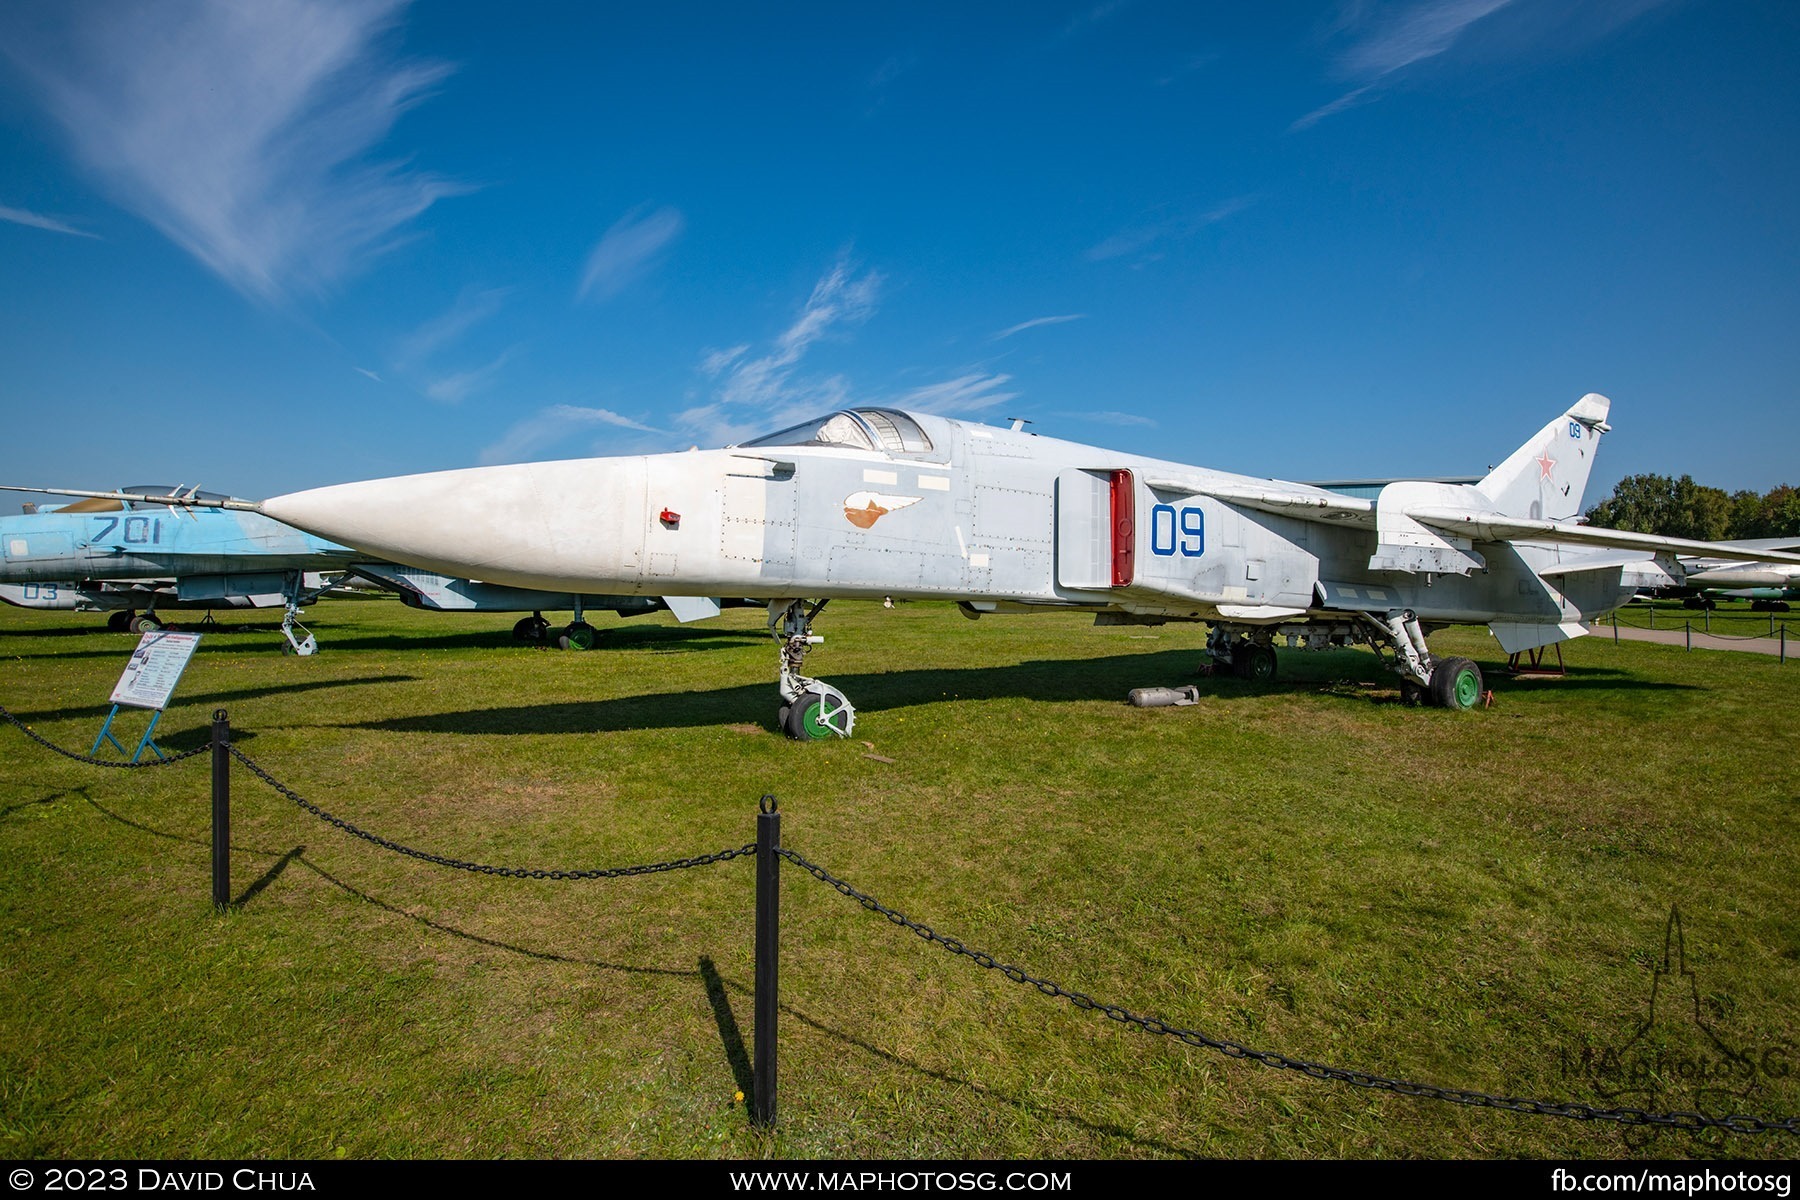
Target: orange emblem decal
(863, 509)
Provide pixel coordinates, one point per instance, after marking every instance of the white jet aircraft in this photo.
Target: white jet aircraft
(877, 503)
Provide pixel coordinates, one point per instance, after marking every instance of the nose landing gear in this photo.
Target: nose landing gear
(811, 710)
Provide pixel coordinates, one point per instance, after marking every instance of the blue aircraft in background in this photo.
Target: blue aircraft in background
(117, 553)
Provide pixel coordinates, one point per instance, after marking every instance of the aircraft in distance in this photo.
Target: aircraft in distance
(877, 503)
(122, 553)
(126, 553)
(1739, 576)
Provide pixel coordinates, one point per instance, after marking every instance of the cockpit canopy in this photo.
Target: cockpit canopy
(883, 429)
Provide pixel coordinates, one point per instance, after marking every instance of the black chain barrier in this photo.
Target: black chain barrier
(483, 868)
(1194, 1037)
(1155, 1026)
(41, 740)
(1711, 633)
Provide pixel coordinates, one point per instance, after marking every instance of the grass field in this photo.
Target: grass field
(1476, 900)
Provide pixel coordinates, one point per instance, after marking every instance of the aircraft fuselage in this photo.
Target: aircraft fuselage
(992, 516)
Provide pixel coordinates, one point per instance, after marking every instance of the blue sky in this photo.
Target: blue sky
(269, 246)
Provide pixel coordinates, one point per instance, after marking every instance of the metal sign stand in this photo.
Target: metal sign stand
(106, 736)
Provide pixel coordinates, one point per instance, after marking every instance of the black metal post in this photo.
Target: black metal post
(221, 809)
(768, 958)
(1784, 643)
(1615, 626)
(1687, 628)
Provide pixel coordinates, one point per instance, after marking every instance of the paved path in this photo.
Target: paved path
(1702, 641)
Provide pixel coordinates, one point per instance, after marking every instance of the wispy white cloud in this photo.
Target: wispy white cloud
(715, 361)
(472, 307)
(369, 373)
(553, 425)
(20, 216)
(753, 393)
(1022, 326)
(427, 357)
(892, 69)
(1109, 417)
(243, 132)
(840, 299)
(1394, 40)
(1424, 30)
(1145, 238)
(1187, 66)
(627, 250)
(456, 386)
(1091, 16)
(973, 392)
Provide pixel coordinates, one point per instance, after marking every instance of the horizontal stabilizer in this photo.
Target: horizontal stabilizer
(1498, 527)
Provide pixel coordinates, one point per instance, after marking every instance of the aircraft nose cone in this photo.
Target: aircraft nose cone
(546, 525)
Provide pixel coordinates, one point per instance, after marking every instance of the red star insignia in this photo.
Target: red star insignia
(1547, 465)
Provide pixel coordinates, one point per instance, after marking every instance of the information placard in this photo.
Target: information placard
(155, 668)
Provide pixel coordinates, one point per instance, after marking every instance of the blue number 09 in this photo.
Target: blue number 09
(1174, 529)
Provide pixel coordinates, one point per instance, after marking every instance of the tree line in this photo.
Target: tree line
(1685, 509)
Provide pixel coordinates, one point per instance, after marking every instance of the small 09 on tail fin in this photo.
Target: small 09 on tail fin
(1544, 478)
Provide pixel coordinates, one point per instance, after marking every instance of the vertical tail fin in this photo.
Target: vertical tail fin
(1544, 478)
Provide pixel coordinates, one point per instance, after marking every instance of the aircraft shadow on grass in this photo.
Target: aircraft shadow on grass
(1065, 680)
(649, 637)
(610, 638)
(205, 700)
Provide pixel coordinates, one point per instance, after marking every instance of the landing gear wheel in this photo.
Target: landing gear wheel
(119, 621)
(1412, 694)
(1456, 684)
(818, 714)
(531, 629)
(578, 636)
(1254, 662)
(143, 623)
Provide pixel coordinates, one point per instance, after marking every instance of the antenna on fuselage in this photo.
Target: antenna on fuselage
(1019, 423)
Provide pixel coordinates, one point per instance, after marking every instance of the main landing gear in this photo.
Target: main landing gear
(810, 709)
(578, 634)
(532, 629)
(1248, 652)
(1245, 653)
(1453, 683)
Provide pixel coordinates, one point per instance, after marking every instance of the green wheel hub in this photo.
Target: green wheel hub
(1467, 689)
(812, 724)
